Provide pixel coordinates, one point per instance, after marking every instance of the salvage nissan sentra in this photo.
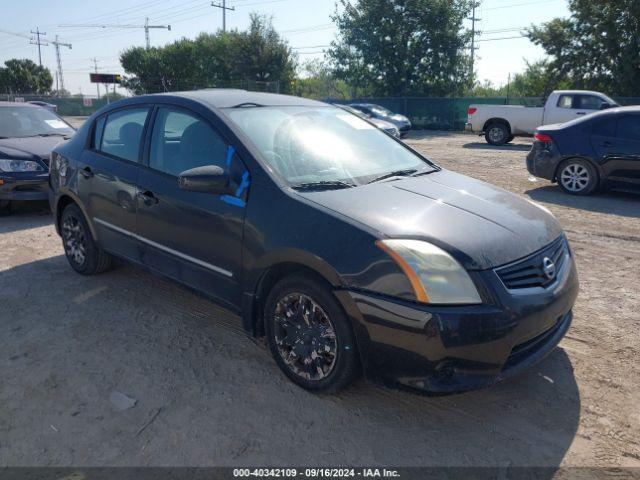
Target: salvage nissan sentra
(347, 249)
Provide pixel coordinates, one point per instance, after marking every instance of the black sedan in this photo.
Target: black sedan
(28, 133)
(343, 246)
(599, 150)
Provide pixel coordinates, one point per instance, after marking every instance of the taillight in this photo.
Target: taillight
(543, 137)
(472, 110)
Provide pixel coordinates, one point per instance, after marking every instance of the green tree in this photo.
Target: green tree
(597, 48)
(24, 76)
(402, 47)
(317, 80)
(248, 59)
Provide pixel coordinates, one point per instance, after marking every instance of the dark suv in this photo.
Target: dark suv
(346, 248)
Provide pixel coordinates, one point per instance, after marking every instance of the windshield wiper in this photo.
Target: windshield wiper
(396, 173)
(323, 185)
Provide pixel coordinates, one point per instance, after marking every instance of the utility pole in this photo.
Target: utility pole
(39, 42)
(224, 8)
(474, 32)
(95, 69)
(57, 44)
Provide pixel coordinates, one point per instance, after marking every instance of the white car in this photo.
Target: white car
(500, 123)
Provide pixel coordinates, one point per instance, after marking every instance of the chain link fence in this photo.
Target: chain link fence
(429, 113)
(450, 113)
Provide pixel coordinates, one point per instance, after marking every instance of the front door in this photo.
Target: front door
(193, 237)
(107, 177)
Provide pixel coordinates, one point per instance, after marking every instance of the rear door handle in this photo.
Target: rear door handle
(607, 144)
(86, 172)
(581, 113)
(148, 198)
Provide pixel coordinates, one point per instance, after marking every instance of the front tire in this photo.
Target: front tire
(577, 177)
(309, 335)
(497, 133)
(83, 254)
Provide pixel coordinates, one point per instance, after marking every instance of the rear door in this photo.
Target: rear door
(622, 153)
(107, 176)
(193, 237)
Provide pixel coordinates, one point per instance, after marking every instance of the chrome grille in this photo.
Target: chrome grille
(529, 272)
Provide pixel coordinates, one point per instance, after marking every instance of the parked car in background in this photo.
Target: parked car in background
(343, 246)
(501, 123)
(28, 133)
(376, 111)
(388, 127)
(600, 150)
(51, 106)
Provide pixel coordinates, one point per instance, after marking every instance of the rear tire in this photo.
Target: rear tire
(497, 133)
(577, 177)
(84, 255)
(309, 335)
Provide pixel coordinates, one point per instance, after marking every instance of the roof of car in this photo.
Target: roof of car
(226, 98)
(17, 104)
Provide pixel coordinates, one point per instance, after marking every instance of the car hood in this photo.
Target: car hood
(482, 226)
(28, 147)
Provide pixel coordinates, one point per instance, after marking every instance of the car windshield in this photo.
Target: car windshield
(325, 146)
(31, 121)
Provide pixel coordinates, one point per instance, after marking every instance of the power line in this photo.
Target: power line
(519, 5)
(501, 38)
(146, 28)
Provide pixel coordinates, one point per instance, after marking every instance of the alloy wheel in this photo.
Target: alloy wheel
(496, 134)
(305, 337)
(73, 236)
(575, 177)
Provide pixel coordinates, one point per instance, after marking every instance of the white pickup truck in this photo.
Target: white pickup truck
(500, 123)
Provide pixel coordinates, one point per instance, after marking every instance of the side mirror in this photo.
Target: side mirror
(605, 105)
(207, 179)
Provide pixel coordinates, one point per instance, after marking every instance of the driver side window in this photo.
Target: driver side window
(181, 141)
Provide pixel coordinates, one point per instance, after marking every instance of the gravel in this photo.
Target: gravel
(199, 391)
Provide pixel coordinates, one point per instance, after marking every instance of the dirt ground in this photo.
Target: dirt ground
(207, 394)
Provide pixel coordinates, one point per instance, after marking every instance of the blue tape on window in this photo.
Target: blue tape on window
(231, 200)
(230, 152)
(243, 184)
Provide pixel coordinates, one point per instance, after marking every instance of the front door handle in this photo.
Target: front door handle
(86, 172)
(148, 198)
(607, 144)
(581, 113)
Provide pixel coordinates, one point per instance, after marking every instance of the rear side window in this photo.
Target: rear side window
(604, 127)
(123, 132)
(629, 127)
(565, 101)
(181, 141)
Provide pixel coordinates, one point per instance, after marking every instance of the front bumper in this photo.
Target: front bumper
(458, 348)
(24, 186)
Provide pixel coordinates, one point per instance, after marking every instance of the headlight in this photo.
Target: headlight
(435, 276)
(12, 165)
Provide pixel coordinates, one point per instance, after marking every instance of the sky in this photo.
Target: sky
(306, 24)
